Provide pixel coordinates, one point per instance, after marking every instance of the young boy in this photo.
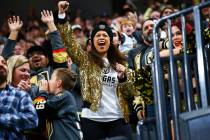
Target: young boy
(58, 106)
(129, 41)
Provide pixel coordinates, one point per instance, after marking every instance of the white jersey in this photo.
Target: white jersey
(109, 108)
(128, 44)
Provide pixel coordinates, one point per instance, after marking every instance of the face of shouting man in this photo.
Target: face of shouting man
(147, 30)
(37, 60)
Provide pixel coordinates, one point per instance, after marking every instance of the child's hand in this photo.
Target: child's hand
(43, 85)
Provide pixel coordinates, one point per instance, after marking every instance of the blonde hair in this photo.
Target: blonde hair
(126, 21)
(14, 62)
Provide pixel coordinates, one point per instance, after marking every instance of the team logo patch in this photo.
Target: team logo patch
(106, 71)
(39, 102)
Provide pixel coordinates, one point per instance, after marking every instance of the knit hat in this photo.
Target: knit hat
(102, 27)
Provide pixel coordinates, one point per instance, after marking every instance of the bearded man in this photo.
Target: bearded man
(17, 112)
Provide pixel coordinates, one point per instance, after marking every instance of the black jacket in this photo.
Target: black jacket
(60, 112)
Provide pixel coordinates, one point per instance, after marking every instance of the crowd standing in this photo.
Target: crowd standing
(83, 79)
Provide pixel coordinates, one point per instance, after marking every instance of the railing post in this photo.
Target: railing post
(174, 86)
(200, 57)
(188, 83)
(160, 105)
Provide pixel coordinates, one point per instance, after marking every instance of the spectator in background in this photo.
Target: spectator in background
(176, 42)
(79, 35)
(206, 17)
(116, 37)
(19, 49)
(88, 27)
(1, 46)
(129, 41)
(4, 30)
(38, 56)
(3, 33)
(152, 10)
(19, 72)
(33, 32)
(88, 45)
(17, 112)
(167, 10)
(155, 15)
(139, 60)
(105, 17)
(176, 36)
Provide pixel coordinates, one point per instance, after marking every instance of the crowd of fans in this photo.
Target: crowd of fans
(72, 79)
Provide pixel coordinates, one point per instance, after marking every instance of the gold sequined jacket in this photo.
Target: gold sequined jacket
(90, 74)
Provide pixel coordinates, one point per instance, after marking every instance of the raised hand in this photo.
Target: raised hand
(15, 24)
(63, 6)
(47, 16)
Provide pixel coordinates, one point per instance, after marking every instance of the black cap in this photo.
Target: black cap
(36, 48)
(102, 26)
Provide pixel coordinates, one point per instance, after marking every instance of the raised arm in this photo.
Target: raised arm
(47, 18)
(74, 50)
(15, 24)
(60, 15)
(63, 7)
(59, 52)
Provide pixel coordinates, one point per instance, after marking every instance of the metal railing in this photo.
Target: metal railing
(194, 74)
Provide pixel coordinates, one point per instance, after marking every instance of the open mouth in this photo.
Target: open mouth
(36, 60)
(177, 43)
(128, 31)
(101, 43)
(2, 70)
